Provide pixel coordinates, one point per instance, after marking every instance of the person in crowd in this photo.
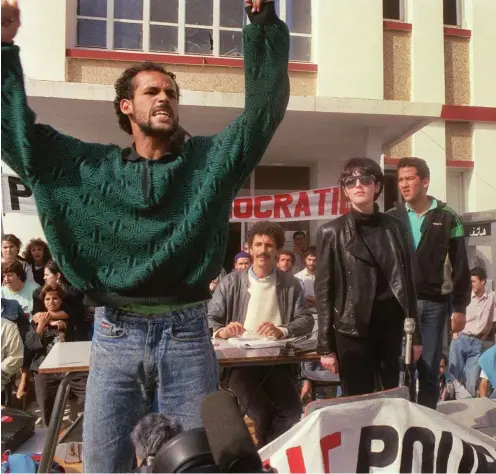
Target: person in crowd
(12, 352)
(299, 249)
(16, 287)
(144, 229)
(450, 387)
(364, 286)
(246, 247)
(42, 336)
(466, 346)
(242, 261)
(37, 255)
(11, 246)
(286, 261)
(213, 284)
(269, 303)
(307, 276)
(440, 264)
(487, 364)
(72, 303)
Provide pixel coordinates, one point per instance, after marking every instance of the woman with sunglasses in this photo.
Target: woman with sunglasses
(364, 287)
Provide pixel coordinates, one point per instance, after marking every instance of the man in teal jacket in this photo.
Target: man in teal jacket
(142, 231)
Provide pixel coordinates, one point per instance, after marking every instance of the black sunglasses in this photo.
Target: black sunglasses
(364, 180)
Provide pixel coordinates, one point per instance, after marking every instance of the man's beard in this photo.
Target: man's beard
(148, 129)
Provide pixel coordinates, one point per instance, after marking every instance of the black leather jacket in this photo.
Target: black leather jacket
(345, 283)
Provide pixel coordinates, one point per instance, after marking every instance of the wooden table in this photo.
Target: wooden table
(232, 356)
(73, 359)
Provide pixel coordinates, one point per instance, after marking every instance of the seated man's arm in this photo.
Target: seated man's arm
(217, 309)
(302, 322)
(235, 152)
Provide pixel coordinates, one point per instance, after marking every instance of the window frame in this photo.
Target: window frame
(402, 12)
(181, 26)
(460, 15)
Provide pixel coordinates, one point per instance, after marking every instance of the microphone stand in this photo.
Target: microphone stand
(406, 375)
(289, 350)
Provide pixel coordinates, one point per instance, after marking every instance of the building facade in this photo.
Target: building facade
(376, 78)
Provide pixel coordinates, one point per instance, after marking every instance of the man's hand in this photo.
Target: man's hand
(256, 4)
(43, 321)
(330, 362)
(11, 20)
(458, 322)
(269, 330)
(60, 325)
(417, 352)
(231, 330)
(306, 391)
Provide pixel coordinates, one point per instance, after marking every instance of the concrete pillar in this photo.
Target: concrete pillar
(347, 37)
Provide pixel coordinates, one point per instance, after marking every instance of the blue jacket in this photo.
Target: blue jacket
(487, 361)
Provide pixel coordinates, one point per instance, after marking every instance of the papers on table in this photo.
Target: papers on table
(254, 341)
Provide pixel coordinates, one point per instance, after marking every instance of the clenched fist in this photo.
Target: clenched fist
(11, 20)
(256, 4)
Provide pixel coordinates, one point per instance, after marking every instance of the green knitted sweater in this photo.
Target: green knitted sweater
(149, 232)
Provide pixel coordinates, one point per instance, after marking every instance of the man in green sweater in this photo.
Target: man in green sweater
(142, 231)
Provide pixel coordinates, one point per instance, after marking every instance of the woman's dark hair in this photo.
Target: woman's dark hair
(125, 87)
(272, 229)
(53, 268)
(47, 256)
(15, 267)
(51, 288)
(363, 166)
(12, 239)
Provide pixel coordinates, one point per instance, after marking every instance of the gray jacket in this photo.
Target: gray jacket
(230, 303)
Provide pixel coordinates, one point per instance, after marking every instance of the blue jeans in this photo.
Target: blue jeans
(135, 358)
(464, 356)
(433, 316)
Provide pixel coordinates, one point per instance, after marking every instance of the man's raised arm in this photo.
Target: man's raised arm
(23, 140)
(240, 147)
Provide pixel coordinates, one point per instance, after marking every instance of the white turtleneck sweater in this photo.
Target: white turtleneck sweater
(263, 306)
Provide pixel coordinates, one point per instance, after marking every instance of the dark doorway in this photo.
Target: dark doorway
(233, 245)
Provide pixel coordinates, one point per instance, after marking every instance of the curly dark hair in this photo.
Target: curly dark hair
(51, 288)
(125, 87)
(47, 256)
(272, 229)
(419, 164)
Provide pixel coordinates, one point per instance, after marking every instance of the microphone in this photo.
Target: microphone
(409, 330)
(230, 441)
(151, 433)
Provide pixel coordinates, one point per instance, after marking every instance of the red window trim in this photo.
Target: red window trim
(397, 25)
(455, 31)
(106, 55)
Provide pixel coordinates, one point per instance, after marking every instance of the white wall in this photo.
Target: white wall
(42, 39)
(481, 19)
(349, 48)
(427, 59)
(481, 183)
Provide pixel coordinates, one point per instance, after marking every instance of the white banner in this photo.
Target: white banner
(16, 197)
(385, 435)
(316, 204)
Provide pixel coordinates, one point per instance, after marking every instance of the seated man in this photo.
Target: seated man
(12, 352)
(487, 363)
(270, 303)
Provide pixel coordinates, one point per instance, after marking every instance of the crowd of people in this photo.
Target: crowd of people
(40, 308)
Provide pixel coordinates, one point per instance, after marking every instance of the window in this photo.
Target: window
(452, 12)
(204, 27)
(393, 9)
